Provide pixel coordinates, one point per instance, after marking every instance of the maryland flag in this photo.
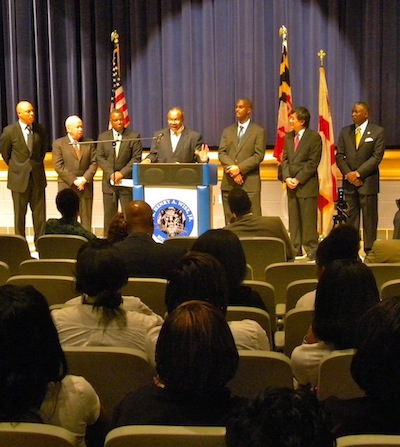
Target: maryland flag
(285, 98)
(327, 167)
(117, 92)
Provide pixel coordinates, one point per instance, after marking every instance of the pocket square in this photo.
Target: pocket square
(369, 139)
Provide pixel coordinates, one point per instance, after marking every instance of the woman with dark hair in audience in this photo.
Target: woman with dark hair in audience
(199, 276)
(117, 229)
(195, 358)
(345, 291)
(225, 246)
(34, 385)
(376, 369)
(101, 316)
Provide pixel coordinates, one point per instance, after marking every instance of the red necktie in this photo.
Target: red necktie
(296, 142)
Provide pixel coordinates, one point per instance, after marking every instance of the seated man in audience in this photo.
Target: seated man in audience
(387, 251)
(248, 225)
(343, 242)
(281, 417)
(143, 256)
(67, 202)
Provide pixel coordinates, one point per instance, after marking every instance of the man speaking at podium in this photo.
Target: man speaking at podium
(116, 160)
(177, 143)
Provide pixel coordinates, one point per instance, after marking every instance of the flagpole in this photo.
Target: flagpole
(321, 54)
(115, 40)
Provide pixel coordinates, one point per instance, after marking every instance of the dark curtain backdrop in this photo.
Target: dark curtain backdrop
(198, 54)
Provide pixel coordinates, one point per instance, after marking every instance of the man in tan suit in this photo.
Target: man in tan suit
(75, 164)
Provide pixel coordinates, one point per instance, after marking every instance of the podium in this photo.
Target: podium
(179, 194)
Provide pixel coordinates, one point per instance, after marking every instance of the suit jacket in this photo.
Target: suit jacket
(365, 160)
(21, 163)
(68, 167)
(248, 155)
(189, 142)
(303, 163)
(129, 152)
(144, 257)
(264, 226)
(384, 251)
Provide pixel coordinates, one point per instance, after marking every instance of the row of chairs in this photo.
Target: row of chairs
(43, 435)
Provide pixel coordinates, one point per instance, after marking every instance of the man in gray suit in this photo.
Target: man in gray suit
(75, 164)
(116, 160)
(240, 152)
(248, 225)
(360, 150)
(177, 143)
(301, 156)
(23, 147)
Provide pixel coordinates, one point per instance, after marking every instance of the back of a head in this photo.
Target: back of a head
(30, 352)
(225, 246)
(197, 276)
(280, 418)
(345, 291)
(117, 229)
(239, 201)
(67, 202)
(139, 217)
(195, 352)
(376, 364)
(343, 242)
(101, 272)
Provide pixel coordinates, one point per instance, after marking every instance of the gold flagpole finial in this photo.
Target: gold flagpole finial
(321, 55)
(115, 37)
(283, 32)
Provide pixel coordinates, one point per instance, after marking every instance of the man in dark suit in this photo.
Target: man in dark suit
(177, 143)
(116, 160)
(23, 147)
(143, 256)
(248, 225)
(240, 152)
(301, 156)
(360, 150)
(75, 164)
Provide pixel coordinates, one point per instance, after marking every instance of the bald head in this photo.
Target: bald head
(25, 112)
(139, 217)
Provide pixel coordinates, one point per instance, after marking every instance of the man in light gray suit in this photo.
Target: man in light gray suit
(177, 143)
(241, 152)
(246, 224)
(75, 164)
(23, 147)
(116, 160)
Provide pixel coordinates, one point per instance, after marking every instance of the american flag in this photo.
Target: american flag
(285, 97)
(117, 93)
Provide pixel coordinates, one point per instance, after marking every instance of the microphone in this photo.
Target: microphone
(160, 136)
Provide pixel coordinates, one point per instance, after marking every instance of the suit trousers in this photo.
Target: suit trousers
(368, 205)
(36, 198)
(255, 199)
(110, 203)
(303, 222)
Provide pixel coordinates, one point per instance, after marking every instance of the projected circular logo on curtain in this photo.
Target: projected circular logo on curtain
(172, 218)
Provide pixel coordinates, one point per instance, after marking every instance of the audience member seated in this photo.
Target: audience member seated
(199, 276)
(386, 251)
(195, 358)
(225, 246)
(280, 418)
(117, 230)
(346, 290)
(101, 316)
(343, 242)
(248, 225)
(142, 255)
(34, 381)
(67, 202)
(376, 369)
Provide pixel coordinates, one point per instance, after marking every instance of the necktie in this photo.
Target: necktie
(76, 149)
(296, 141)
(240, 134)
(29, 139)
(358, 136)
